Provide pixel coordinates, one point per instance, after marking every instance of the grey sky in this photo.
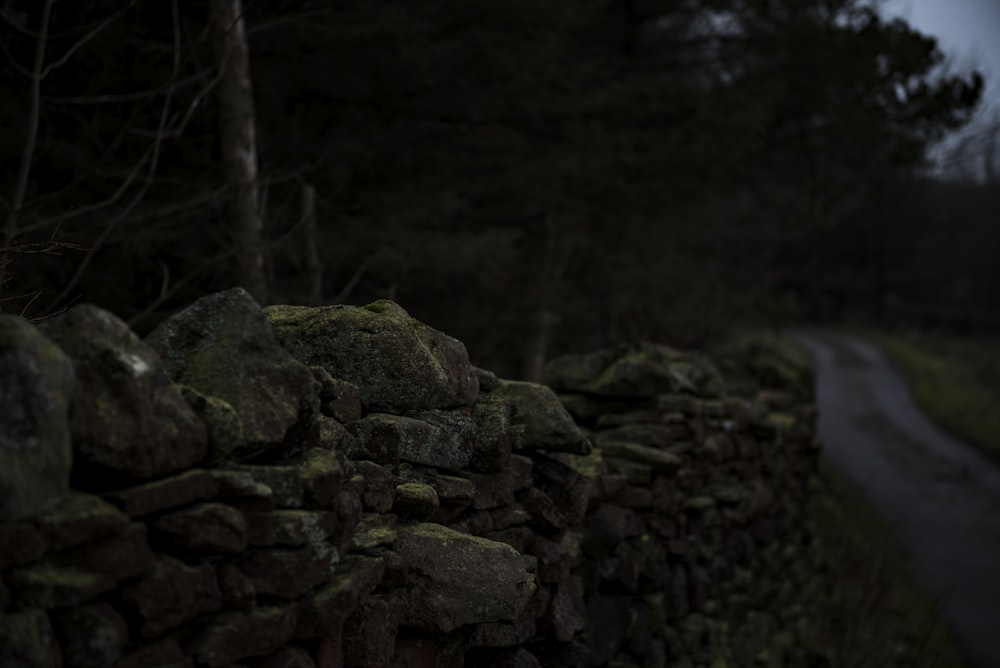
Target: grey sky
(968, 31)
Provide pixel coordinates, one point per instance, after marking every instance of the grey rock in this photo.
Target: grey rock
(126, 416)
(27, 639)
(635, 370)
(35, 447)
(547, 424)
(398, 363)
(389, 439)
(451, 588)
(223, 347)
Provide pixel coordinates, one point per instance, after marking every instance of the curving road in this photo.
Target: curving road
(941, 495)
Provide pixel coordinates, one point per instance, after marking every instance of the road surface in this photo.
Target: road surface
(942, 496)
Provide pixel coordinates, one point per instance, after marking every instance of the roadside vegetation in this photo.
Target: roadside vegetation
(955, 381)
(872, 605)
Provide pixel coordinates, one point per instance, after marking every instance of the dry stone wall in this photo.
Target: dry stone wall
(339, 486)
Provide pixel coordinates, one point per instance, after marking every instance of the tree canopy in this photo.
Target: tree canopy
(572, 172)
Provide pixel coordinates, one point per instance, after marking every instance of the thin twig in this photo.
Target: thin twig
(153, 162)
(83, 40)
(34, 117)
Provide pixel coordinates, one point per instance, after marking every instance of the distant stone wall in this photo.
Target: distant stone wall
(339, 486)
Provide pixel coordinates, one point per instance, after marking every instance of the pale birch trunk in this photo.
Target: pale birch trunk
(239, 146)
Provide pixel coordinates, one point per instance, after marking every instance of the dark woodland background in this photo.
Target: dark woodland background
(530, 177)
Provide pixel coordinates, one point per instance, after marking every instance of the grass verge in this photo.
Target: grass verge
(956, 382)
(871, 604)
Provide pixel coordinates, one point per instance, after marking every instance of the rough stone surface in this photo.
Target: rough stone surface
(338, 398)
(331, 604)
(160, 495)
(227, 637)
(207, 526)
(370, 634)
(20, 543)
(547, 425)
(79, 518)
(451, 588)
(635, 370)
(290, 527)
(79, 574)
(165, 653)
(35, 450)
(91, 636)
(286, 657)
(493, 443)
(27, 640)
(284, 481)
(172, 593)
(377, 486)
(658, 460)
(322, 473)
(390, 439)
(397, 363)
(223, 347)
(125, 416)
(237, 589)
(332, 435)
(288, 572)
(415, 501)
(374, 530)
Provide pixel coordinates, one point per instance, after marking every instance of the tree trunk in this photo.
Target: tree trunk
(238, 143)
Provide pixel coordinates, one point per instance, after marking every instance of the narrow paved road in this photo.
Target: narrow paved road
(941, 495)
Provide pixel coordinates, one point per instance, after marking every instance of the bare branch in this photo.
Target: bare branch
(34, 117)
(83, 40)
(16, 65)
(154, 155)
(138, 96)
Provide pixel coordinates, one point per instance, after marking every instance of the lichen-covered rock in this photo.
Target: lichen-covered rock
(398, 363)
(634, 370)
(415, 501)
(223, 347)
(547, 425)
(27, 639)
(79, 518)
(338, 399)
(35, 448)
(493, 443)
(451, 588)
(389, 439)
(125, 414)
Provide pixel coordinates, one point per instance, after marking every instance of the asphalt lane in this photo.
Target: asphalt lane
(939, 494)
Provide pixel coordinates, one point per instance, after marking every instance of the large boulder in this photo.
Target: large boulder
(547, 424)
(398, 363)
(224, 348)
(35, 449)
(126, 415)
(634, 370)
(458, 579)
